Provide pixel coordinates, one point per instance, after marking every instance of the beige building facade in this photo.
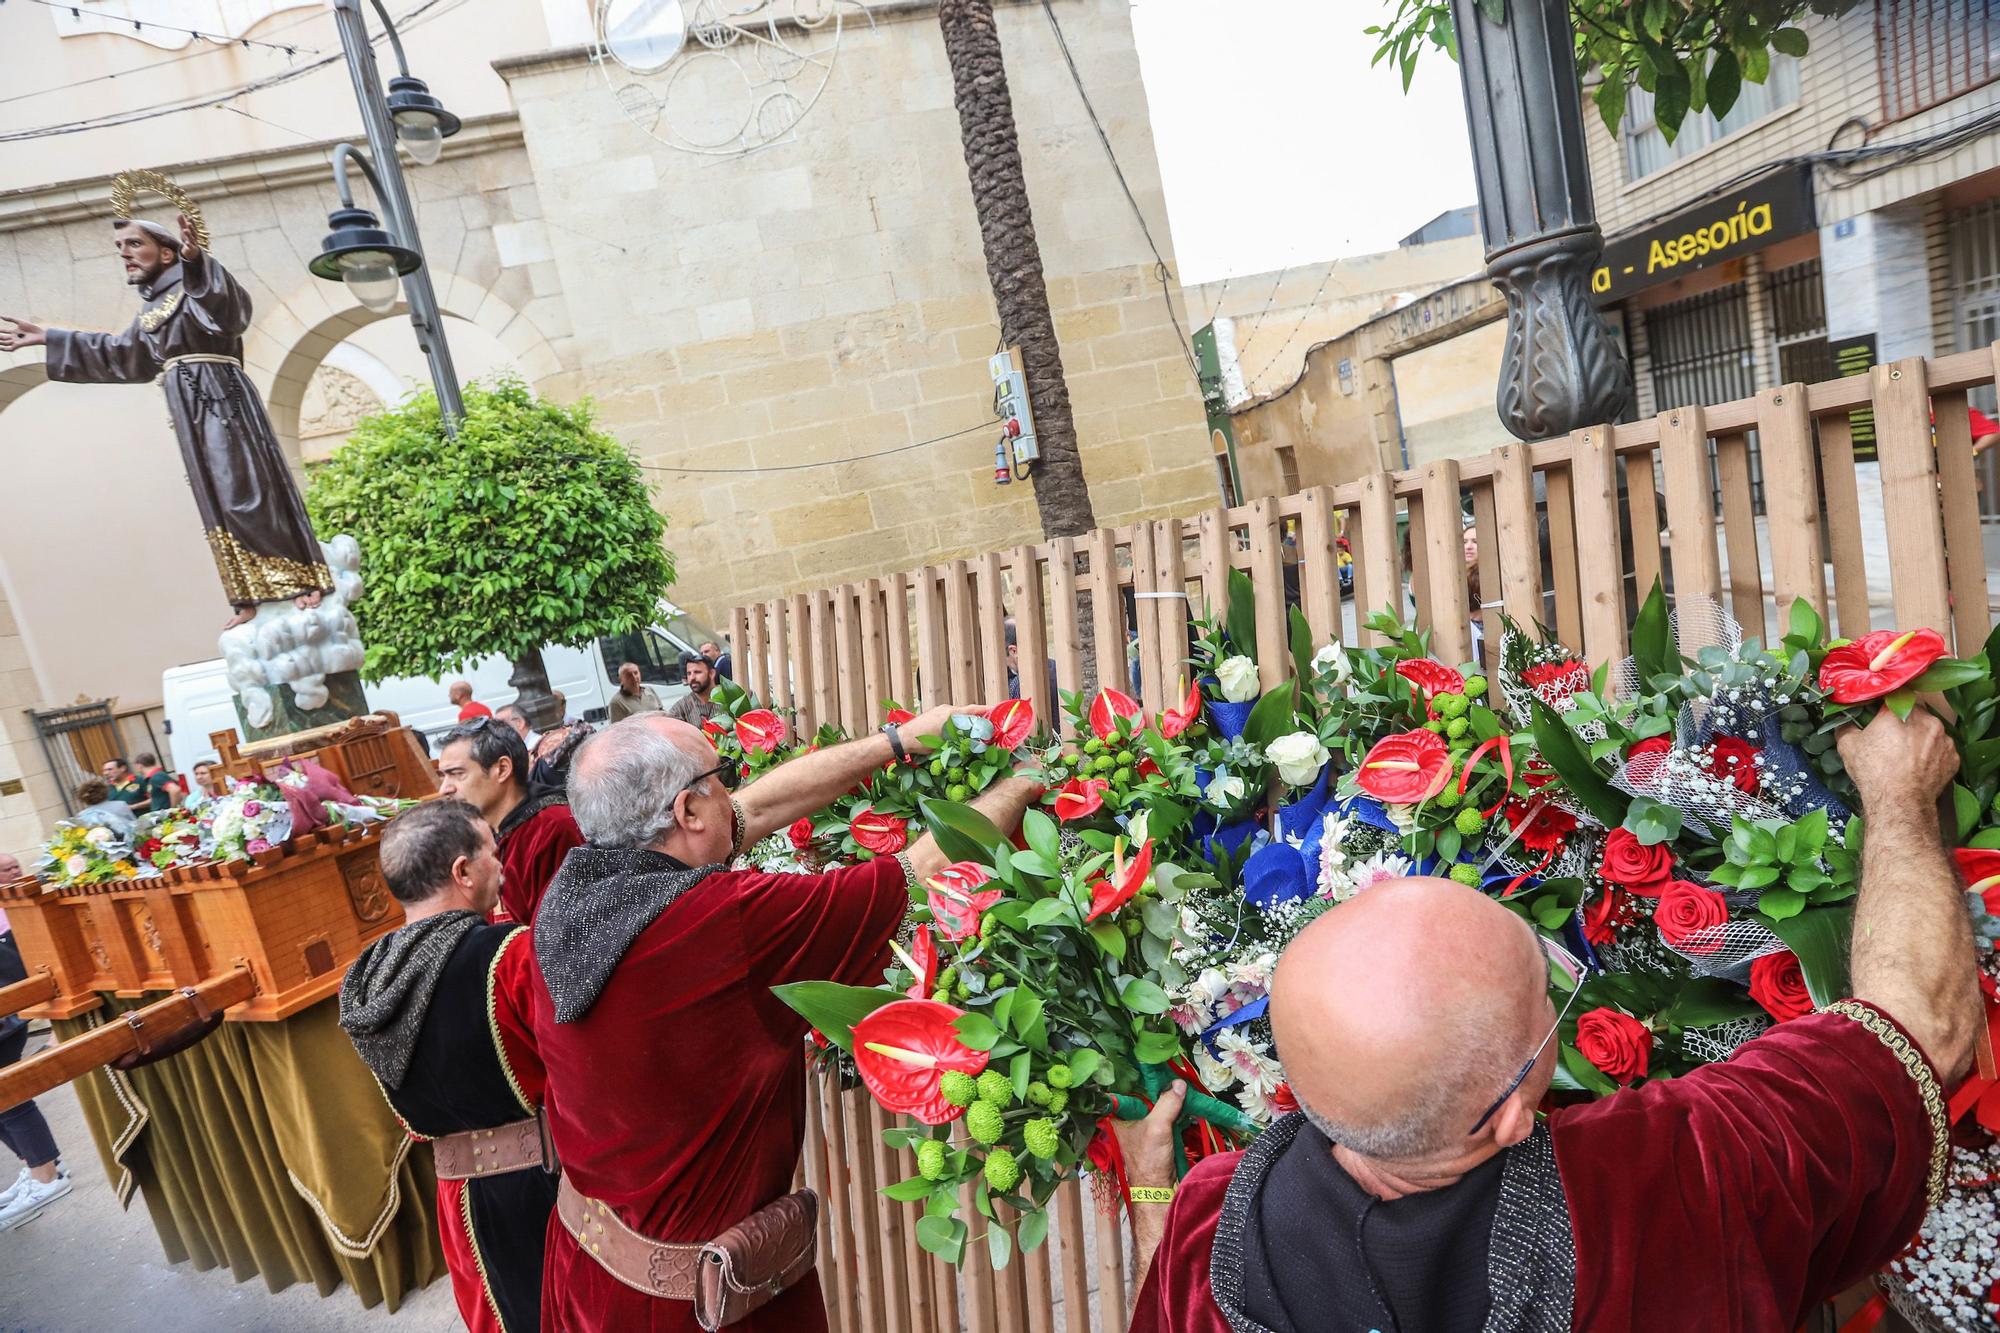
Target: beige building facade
(794, 341)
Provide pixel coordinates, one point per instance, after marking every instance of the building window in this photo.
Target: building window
(1647, 150)
(1919, 68)
(1288, 468)
(1228, 488)
(1973, 239)
(1798, 324)
(1702, 355)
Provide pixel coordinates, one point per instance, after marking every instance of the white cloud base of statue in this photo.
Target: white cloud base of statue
(293, 670)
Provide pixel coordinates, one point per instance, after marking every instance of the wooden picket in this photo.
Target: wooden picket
(1570, 533)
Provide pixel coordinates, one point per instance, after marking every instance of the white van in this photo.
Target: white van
(197, 700)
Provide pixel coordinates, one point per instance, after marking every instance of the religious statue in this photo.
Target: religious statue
(189, 335)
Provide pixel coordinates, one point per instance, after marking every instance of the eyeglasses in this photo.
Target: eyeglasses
(1564, 964)
(726, 772)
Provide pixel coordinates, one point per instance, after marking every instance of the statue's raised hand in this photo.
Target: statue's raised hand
(16, 333)
(190, 242)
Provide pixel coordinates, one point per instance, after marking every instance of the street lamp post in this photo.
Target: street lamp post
(1561, 368)
(359, 252)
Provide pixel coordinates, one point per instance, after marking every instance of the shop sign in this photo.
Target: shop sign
(1770, 208)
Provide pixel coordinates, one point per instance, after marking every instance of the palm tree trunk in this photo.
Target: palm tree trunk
(1014, 267)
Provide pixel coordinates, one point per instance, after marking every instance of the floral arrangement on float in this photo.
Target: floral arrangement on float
(87, 854)
(1679, 820)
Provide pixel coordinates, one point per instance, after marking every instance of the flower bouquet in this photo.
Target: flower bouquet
(170, 838)
(88, 854)
(253, 818)
(1020, 1015)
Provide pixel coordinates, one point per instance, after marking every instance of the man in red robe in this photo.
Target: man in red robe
(438, 1011)
(1735, 1198)
(485, 762)
(676, 1079)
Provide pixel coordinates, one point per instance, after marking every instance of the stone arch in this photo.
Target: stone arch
(288, 342)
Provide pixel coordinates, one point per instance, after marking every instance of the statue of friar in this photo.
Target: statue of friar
(190, 335)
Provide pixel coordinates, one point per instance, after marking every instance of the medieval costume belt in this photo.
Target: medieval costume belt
(727, 1278)
(490, 1152)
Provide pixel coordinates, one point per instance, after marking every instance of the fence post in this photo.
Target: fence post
(1965, 546)
(1267, 586)
(874, 657)
(1909, 495)
(1381, 569)
(1562, 556)
(1791, 498)
(1843, 524)
(1444, 539)
(1319, 565)
(1172, 609)
(1067, 644)
(1107, 611)
(755, 656)
(1601, 578)
(964, 661)
(1520, 536)
(1217, 546)
(1153, 687)
(902, 686)
(1739, 531)
(1486, 518)
(1031, 638)
(823, 647)
(933, 658)
(803, 673)
(992, 640)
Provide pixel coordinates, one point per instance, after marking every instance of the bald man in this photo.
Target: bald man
(1416, 1189)
(676, 1092)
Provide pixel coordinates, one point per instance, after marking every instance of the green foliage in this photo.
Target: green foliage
(1792, 865)
(531, 527)
(1692, 55)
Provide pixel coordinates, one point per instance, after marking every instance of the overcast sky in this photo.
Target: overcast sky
(1273, 100)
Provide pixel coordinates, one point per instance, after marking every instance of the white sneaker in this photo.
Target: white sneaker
(30, 1201)
(7, 1195)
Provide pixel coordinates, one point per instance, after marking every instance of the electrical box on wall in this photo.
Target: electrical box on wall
(1016, 452)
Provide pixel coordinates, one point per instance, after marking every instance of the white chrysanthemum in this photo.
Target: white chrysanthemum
(1375, 870)
(1404, 817)
(1249, 1060)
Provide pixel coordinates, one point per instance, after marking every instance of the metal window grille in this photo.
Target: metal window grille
(1701, 354)
(1798, 324)
(76, 741)
(1973, 240)
(1930, 51)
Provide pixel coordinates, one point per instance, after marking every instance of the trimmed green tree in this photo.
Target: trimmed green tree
(531, 527)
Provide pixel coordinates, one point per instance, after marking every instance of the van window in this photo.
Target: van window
(659, 658)
(690, 631)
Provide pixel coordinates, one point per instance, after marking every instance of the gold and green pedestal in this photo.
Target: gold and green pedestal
(268, 1149)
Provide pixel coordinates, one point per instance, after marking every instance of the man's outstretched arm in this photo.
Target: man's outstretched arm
(1913, 952)
(811, 782)
(1003, 804)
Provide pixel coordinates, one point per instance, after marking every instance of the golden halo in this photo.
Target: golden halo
(127, 185)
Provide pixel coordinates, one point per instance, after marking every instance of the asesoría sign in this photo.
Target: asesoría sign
(1770, 208)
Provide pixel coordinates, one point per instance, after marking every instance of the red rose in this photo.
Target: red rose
(1602, 913)
(801, 834)
(1406, 769)
(1642, 869)
(1617, 1043)
(1777, 983)
(1878, 664)
(881, 834)
(1734, 761)
(1643, 759)
(1690, 917)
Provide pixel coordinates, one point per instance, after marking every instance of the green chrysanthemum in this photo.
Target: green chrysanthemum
(1059, 1076)
(1058, 1101)
(994, 1087)
(983, 1123)
(1467, 875)
(1042, 1138)
(930, 1159)
(1038, 1093)
(1003, 1172)
(958, 1088)
(1469, 822)
(1475, 687)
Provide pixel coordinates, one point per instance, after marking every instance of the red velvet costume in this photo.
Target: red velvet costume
(678, 1097)
(1734, 1198)
(531, 851)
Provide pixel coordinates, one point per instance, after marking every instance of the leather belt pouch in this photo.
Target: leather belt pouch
(490, 1152)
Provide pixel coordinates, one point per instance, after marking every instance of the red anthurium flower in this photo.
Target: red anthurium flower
(801, 834)
(760, 731)
(1406, 769)
(1431, 678)
(922, 960)
(714, 729)
(1107, 708)
(904, 1048)
(1878, 664)
(1012, 722)
(1127, 878)
(956, 900)
(898, 716)
(1079, 797)
(1981, 870)
(1174, 721)
(884, 835)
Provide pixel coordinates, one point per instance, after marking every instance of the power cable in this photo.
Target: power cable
(140, 25)
(197, 54)
(984, 427)
(1332, 267)
(1161, 273)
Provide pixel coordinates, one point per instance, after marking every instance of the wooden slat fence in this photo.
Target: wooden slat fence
(1572, 532)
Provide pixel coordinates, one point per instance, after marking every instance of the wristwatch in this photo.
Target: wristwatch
(895, 741)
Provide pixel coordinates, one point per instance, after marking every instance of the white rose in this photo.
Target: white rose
(99, 834)
(77, 864)
(1225, 789)
(1238, 678)
(1332, 660)
(1211, 984)
(1299, 757)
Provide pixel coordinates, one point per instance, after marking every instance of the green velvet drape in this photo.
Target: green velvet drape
(269, 1149)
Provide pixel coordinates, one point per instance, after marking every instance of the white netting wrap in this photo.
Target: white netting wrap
(1695, 780)
(1728, 950)
(1711, 1045)
(1696, 623)
(1944, 1281)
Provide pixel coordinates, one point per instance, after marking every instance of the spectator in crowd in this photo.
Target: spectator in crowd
(696, 706)
(96, 808)
(718, 659)
(676, 1093)
(460, 693)
(123, 785)
(204, 782)
(512, 715)
(633, 696)
(158, 785)
(437, 1010)
(552, 752)
(485, 762)
(1014, 665)
(42, 1179)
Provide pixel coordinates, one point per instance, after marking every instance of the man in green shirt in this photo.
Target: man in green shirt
(125, 786)
(156, 785)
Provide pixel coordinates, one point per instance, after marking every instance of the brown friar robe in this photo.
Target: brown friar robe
(256, 523)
